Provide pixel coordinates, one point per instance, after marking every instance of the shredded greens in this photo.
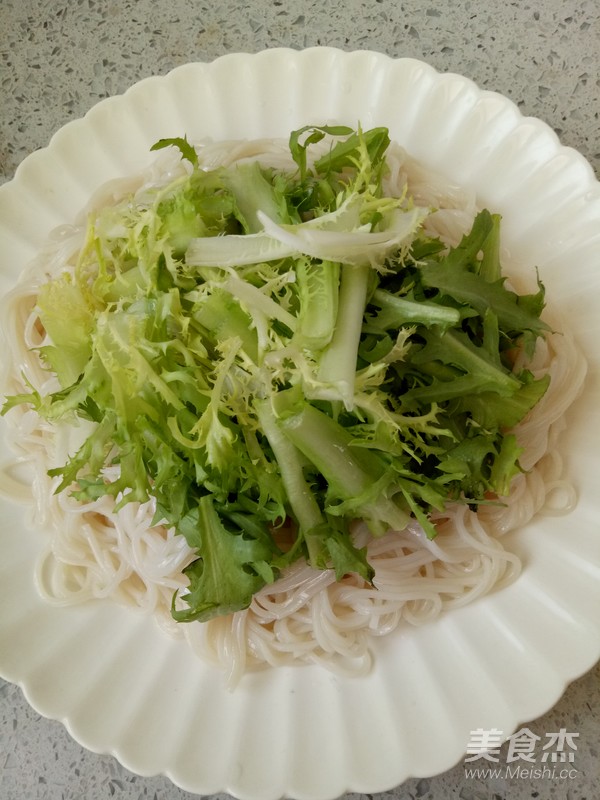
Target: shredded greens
(272, 355)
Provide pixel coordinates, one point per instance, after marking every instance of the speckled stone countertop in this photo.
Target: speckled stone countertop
(59, 57)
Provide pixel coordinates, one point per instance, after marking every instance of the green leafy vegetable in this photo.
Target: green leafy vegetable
(187, 150)
(231, 569)
(262, 350)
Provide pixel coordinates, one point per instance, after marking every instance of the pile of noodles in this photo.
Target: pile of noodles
(92, 552)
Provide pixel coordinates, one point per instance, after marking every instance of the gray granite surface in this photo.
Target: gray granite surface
(58, 58)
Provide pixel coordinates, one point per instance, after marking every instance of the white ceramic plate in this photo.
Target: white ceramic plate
(112, 677)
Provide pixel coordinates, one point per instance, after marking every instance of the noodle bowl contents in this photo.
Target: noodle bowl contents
(281, 395)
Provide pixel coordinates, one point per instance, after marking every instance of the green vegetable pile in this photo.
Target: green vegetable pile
(272, 355)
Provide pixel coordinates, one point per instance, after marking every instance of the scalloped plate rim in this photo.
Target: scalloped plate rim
(283, 51)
